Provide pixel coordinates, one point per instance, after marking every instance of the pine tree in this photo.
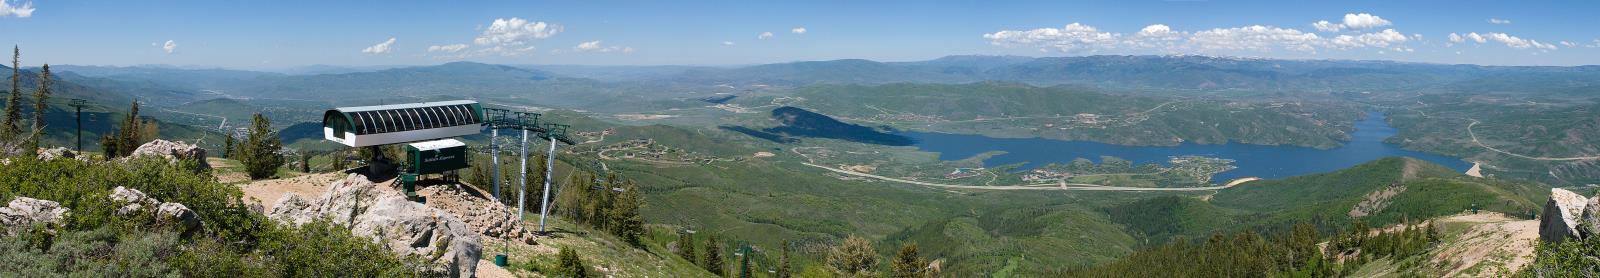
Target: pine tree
(853, 258)
(629, 225)
(125, 138)
(907, 263)
(570, 265)
(783, 260)
(686, 246)
(130, 132)
(713, 262)
(260, 154)
(40, 99)
(227, 146)
(744, 264)
(305, 163)
(8, 126)
(111, 145)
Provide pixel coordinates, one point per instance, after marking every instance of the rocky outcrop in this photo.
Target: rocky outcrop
(1561, 218)
(135, 202)
(54, 153)
(484, 215)
(23, 213)
(172, 151)
(404, 227)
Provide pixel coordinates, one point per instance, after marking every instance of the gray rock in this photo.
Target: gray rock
(1560, 217)
(401, 226)
(1589, 220)
(58, 152)
(178, 214)
(168, 213)
(23, 212)
(172, 151)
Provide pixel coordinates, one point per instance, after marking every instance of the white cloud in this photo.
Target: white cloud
(448, 48)
(25, 10)
(1377, 39)
(1519, 43)
(1364, 21)
(1499, 21)
(1074, 37)
(595, 46)
(727, 43)
(380, 48)
(1475, 37)
(1508, 40)
(798, 30)
(515, 32)
(1356, 21)
(1255, 38)
(170, 47)
(589, 45)
(764, 35)
(1326, 26)
(1568, 44)
(1078, 37)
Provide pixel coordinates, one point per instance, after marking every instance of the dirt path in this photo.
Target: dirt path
(1495, 245)
(267, 192)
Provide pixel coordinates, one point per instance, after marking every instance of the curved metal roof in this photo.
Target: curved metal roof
(378, 119)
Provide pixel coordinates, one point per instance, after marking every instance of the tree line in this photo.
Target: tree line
(1295, 253)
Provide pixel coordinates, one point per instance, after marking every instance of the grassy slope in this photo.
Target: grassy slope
(765, 201)
(1325, 199)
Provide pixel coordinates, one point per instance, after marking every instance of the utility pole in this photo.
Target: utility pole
(78, 104)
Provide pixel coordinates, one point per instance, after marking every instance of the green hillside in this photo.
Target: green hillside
(1069, 113)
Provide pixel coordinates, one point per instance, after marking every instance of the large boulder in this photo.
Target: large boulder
(54, 153)
(404, 227)
(172, 151)
(135, 202)
(1561, 216)
(23, 212)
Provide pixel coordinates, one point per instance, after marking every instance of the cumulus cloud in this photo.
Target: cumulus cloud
(1507, 39)
(1326, 26)
(1357, 21)
(1378, 39)
(170, 47)
(595, 46)
(448, 48)
(1073, 37)
(1079, 37)
(24, 10)
(1499, 21)
(515, 32)
(1519, 43)
(764, 35)
(1475, 37)
(798, 30)
(1255, 38)
(380, 48)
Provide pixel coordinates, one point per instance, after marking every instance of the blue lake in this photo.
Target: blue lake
(1253, 160)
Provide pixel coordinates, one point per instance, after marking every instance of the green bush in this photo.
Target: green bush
(237, 241)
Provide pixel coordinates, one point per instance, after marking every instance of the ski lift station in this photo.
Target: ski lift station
(399, 123)
(427, 129)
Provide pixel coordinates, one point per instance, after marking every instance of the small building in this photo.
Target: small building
(399, 123)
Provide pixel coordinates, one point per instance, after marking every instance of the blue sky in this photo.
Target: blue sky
(278, 34)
